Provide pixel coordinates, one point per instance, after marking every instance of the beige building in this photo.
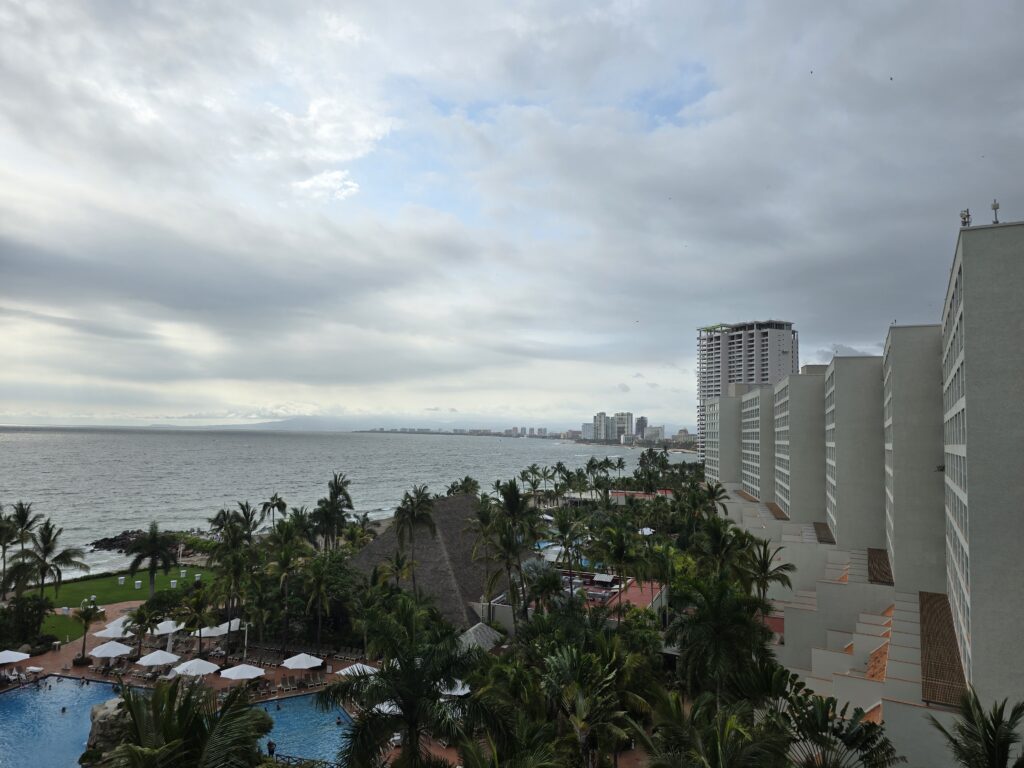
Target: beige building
(758, 444)
(798, 416)
(912, 423)
(983, 435)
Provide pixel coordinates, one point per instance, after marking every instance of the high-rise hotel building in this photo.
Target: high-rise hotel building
(753, 353)
(722, 457)
(757, 437)
(983, 435)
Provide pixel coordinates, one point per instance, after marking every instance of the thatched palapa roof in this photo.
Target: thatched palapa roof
(445, 569)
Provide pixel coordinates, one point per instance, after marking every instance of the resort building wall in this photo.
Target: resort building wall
(799, 426)
(914, 485)
(982, 371)
(854, 452)
(758, 444)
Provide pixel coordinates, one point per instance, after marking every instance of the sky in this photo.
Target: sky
(474, 213)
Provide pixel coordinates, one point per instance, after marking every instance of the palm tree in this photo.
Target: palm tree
(305, 525)
(758, 568)
(716, 496)
(719, 632)
(620, 464)
(195, 613)
(981, 739)
(318, 587)
(415, 510)
(8, 537)
(421, 660)
(160, 549)
(25, 521)
(617, 548)
(287, 551)
(824, 736)
(47, 559)
(180, 723)
(250, 519)
(86, 614)
(274, 504)
(567, 534)
(141, 621)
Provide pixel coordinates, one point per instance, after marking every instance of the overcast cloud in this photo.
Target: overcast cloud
(484, 212)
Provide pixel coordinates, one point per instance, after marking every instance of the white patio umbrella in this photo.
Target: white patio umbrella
(645, 531)
(113, 632)
(357, 669)
(11, 657)
(387, 708)
(34, 670)
(242, 672)
(230, 626)
(110, 650)
(157, 659)
(302, 661)
(167, 627)
(118, 622)
(210, 631)
(196, 668)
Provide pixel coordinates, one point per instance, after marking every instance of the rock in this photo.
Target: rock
(118, 543)
(109, 721)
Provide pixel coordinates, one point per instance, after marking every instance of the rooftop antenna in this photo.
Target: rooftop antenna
(965, 217)
(995, 211)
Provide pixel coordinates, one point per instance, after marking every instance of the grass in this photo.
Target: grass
(65, 628)
(107, 590)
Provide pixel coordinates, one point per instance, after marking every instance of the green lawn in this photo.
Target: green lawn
(107, 590)
(65, 627)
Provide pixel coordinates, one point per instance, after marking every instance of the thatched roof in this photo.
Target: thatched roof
(445, 569)
(480, 636)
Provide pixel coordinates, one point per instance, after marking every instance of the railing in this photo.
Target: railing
(305, 762)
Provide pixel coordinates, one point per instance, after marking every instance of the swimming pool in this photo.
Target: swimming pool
(301, 730)
(34, 733)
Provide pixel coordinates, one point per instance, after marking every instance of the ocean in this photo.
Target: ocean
(99, 482)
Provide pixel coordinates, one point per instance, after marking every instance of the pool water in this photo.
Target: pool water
(302, 730)
(34, 733)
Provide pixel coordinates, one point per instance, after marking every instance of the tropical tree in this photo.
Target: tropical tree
(317, 586)
(761, 567)
(420, 663)
(196, 613)
(824, 736)
(8, 538)
(275, 504)
(86, 614)
(718, 632)
(25, 521)
(141, 621)
(159, 548)
(46, 558)
(980, 739)
(180, 724)
(715, 498)
(287, 551)
(414, 511)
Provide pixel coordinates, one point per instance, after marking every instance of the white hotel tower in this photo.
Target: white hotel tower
(755, 353)
(983, 428)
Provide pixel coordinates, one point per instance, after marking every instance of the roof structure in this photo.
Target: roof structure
(480, 636)
(445, 569)
(823, 533)
(942, 675)
(879, 569)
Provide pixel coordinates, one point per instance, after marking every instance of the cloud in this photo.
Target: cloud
(328, 184)
(518, 237)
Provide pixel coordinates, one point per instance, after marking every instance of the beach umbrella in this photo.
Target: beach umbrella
(110, 650)
(357, 669)
(387, 708)
(230, 626)
(242, 672)
(157, 659)
(302, 661)
(645, 531)
(168, 627)
(34, 670)
(10, 657)
(210, 631)
(196, 668)
(117, 623)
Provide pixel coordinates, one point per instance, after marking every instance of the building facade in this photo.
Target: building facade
(914, 485)
(758, 444)
(799, 426)
(641, 425)
(623, 424)
(854, 452)
(722, 460)
(752, 353)
(983, 435)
